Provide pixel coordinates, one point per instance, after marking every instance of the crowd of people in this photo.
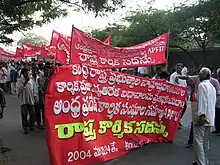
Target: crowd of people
(29, 80)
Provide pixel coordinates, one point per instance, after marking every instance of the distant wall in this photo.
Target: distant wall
(212, 56)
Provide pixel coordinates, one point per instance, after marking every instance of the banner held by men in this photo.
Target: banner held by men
(93, 115)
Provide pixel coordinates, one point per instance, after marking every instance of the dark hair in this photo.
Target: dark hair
(158, 68)
(164, 75)
(46, 67)
(23, 70)
(35, 67)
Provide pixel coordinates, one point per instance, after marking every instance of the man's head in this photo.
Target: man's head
(179, 67)
(205, 74)
(218, 72)
(25, 72)
(35, 70)
(164, 75)
(1, 65)
(210, 68)
(159, 69)
(47, 71)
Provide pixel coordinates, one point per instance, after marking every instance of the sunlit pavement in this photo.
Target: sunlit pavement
(31, 149)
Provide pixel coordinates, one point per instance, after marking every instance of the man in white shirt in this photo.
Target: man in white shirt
(174, 80)
(204, 118)
(173, 77)
(184, 71)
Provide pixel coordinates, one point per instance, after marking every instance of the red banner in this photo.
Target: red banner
(63, 50)
(48, 52)
(93, 115)
(92, 52)
(6, 53)
(30, 50)
(55, 38)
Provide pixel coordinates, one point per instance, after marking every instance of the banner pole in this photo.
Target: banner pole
(168, 49)
(71, 44)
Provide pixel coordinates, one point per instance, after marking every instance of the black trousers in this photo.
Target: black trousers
(184, 109)
(8, 86)
(39, 111)
(3, 86)
(217, 120)
(26, 110)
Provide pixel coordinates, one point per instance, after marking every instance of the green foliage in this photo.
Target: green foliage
(33, 39)
(196, 25)
(17, 17)
(23, 15)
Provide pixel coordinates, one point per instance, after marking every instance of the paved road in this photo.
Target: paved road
(31, 149)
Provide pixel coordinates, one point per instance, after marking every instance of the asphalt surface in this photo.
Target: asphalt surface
(32, 150)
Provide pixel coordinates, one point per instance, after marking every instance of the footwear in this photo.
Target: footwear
(195, 163)
(188, 145)
(215, 132)
(40, 127)
(5, 149)
(26, 132)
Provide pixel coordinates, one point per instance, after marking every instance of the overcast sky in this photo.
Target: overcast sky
(87, 21)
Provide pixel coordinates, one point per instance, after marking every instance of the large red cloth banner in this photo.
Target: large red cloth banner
(94, 115)
(92, 52)
(30, 50)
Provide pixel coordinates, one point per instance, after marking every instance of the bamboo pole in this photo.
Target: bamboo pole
(168, 49)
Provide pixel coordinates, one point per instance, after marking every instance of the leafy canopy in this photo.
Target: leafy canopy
(23, 15)
(33, 39)
(195, 25)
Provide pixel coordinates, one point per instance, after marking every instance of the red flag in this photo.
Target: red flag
(48, 52)
(30, 50)
(108, 40)
(63, 50)
(19, 53)
(92, 52)
(55, 38)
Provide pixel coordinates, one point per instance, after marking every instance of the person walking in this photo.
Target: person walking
(43, 82)
(204, 117)
(217, 110)
(2, 107)
(27, 92)
(194, 81)
(3, 76)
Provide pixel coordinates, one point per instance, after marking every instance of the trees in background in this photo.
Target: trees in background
(190, 26)
(33, 39)
(23, 15)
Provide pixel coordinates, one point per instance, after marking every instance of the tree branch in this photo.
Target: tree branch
(26, 2)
